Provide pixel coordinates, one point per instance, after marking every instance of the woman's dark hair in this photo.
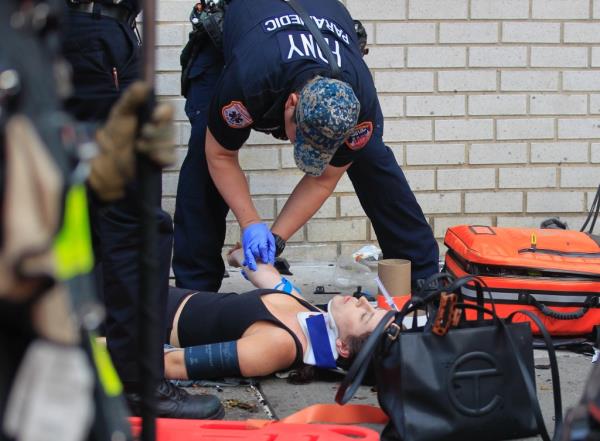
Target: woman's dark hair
(308, 373)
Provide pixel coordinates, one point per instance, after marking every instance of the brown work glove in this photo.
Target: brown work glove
(117, 141)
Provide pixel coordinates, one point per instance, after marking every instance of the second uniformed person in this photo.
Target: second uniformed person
(272, 77)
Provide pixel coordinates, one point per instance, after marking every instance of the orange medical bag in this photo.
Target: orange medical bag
(551, 272)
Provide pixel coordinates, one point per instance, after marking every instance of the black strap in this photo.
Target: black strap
(357, 371)
(529, 384)
(310, 25)
(593, 214)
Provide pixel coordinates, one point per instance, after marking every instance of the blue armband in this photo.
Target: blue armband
(216, 360)
(286, 286)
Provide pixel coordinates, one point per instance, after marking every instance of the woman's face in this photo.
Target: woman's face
(354, 317)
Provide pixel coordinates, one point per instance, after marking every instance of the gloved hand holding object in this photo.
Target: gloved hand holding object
(258, 241)
(119, 138)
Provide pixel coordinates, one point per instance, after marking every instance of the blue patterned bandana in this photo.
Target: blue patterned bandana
(326, 113)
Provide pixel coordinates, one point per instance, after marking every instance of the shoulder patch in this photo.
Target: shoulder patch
(236, 115)
(360, 136)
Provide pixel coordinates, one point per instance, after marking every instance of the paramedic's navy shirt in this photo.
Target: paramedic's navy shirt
(268, 55)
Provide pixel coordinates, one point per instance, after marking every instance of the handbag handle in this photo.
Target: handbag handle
(359, 366)
(554, 374)
(546, 310)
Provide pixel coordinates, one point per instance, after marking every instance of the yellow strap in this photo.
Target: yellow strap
(73, 244)
(109, 379)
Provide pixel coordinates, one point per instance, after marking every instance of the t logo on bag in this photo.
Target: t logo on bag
(481, 396)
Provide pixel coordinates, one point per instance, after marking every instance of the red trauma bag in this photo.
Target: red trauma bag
(553, 273)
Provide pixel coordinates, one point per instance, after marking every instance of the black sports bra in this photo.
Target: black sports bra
(210, 317)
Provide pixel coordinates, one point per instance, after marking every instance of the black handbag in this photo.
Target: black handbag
(454, 379)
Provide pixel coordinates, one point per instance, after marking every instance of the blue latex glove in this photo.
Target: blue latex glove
(258, 242)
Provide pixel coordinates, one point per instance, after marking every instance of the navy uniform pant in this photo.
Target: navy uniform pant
(380, 185)
(97, 48)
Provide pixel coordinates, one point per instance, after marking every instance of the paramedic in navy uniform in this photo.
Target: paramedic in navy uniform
(273, 78)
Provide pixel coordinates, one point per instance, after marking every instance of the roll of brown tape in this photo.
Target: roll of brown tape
(395, 276)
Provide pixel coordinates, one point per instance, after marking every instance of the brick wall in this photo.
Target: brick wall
(492, 108)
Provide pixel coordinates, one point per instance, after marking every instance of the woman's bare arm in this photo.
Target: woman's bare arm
(265, 276)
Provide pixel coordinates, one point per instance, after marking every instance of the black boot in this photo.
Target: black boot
(174, 402)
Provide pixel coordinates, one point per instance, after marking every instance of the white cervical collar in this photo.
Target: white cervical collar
(332, 334)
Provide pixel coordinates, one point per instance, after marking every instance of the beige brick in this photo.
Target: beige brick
(531, 128)
(595, 103)
(558, 104)
(507, 56)
(530, 32)
(579, 177)
(264, 206)
(232, 233)
(595, 153)
(441, 224)
(408, 130)
(581, 80)
(559, 152)
(527, 177)
(494, 202)
(344, 185)
(497, 104)
(468, 32)
(582, 33)
(578, 128)
(167, 59)
(392, 105)
(560, 9)
(464, 179)
(596, 8)
(350, 207)
(554, 201)
(379, 10)
(405, 33)
(185, 131)
(433, 154)
(179, 105)
(528, 80)
(176, 11)
(168, 84)
(254, 158)
(446, 105)
(168, 204)
(435, 203)
(311, 253)
(385, 57)
(340, 229)
(596, 57)
(404, 81)
(169, 184)
(420, 180)
(559, 57)
(464, 80)
(436, 56)
(437, 9)
(499, 9)
(458, 129)
(273, 183)
(170, 35)
(498, 153)
(287, 158)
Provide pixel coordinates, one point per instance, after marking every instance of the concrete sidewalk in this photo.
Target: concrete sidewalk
(283, 398)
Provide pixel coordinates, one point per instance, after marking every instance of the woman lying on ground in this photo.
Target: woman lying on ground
(260, 332)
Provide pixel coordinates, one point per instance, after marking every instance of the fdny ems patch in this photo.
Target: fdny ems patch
(360, 135)
(236, 115)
